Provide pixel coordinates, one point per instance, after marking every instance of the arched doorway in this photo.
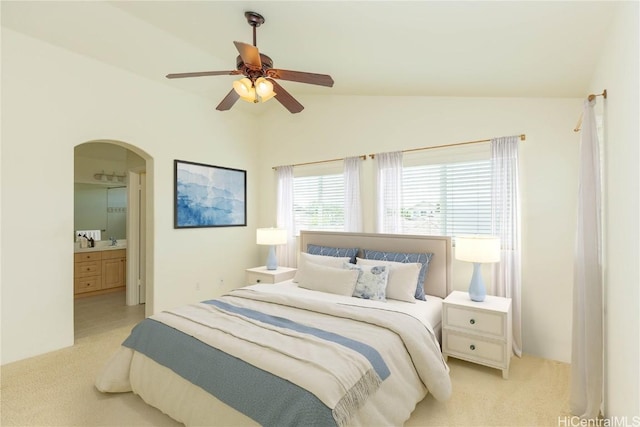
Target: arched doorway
(121, 169)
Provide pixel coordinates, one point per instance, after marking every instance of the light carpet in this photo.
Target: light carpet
(56, 389)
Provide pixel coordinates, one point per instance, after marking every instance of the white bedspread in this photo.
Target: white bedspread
(428, 312)
(405, 341)
(421, 343)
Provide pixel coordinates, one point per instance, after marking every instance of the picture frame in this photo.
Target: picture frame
(209, 196)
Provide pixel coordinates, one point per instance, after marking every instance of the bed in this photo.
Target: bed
(301, 352)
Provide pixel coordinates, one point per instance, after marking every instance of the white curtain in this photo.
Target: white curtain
(286, 254)
(587, 343)
(389, 181)
(352, 205)
(505, 223)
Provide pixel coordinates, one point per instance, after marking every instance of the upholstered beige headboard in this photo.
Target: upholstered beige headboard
(438, 279)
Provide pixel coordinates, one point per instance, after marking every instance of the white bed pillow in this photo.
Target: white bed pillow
(332, 280)
(401, 284)
(329, 261)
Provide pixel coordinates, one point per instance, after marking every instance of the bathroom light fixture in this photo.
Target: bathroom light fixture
(477, 249)
(104, 177)
(271, 237)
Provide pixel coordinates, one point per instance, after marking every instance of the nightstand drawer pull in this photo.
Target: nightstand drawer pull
(472, 347)
(488, 322)
(258, 280)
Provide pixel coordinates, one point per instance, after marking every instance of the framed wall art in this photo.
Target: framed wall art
(209, 196)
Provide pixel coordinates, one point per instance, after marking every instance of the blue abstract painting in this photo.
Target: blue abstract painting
(209, 196)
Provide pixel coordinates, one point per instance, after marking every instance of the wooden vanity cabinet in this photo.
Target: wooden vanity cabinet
(99, 272)
(113, 268)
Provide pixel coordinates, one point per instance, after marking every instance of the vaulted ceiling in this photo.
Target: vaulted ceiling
(421, 48)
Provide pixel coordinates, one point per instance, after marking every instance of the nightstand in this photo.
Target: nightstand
(478, 332)
(262, 275)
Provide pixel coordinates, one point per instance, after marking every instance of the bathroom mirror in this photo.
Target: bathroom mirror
(101, 207)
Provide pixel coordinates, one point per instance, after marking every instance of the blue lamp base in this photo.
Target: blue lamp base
(477, 291)
(272, 262)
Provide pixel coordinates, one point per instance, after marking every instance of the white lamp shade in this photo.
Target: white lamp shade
(479, 249)
(271, 236)
(243, 87)
(264, 87)
(268, 97)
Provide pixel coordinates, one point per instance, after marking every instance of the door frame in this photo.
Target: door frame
(135, 226)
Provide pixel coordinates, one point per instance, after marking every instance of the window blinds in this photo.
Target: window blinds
(447, 199)
(318, 202)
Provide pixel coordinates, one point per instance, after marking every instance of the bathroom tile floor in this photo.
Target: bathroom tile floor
(103, 313)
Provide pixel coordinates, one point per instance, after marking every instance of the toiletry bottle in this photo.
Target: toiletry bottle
(92, 242)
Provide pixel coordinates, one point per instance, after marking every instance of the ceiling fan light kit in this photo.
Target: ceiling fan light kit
(259, 91)
(258, 84)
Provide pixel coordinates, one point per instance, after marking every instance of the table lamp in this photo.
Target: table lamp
(478, 250)
(271, 237)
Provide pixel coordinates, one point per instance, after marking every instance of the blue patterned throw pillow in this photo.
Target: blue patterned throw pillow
(423, 259)
(372, 281)
(331, 251)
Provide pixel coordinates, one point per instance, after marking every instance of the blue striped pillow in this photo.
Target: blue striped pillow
(331, 251)
(405, 258)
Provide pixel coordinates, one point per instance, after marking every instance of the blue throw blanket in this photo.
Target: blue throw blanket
(259, 394)
(262, 396)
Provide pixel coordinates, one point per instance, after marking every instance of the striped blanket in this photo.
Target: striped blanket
(280, 359)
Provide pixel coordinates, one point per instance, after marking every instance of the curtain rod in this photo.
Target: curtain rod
(363, 157)
(591, 97)
(522, 138)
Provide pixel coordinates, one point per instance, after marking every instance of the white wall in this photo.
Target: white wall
(53, 100)
(618, 72)
(332, 127)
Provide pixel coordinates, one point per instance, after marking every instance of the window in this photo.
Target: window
(318, 202)
(447, 199)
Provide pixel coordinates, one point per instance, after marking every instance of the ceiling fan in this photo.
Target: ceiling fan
(258, 84)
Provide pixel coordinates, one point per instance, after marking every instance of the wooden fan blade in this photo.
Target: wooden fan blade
(285, 98)
(228, 101)
(301, 77)
(249, 54)
(202, 74)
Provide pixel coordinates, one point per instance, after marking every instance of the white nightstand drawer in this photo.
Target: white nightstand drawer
(474, 320)
(262, 275)
(253, 278)
(474, 348)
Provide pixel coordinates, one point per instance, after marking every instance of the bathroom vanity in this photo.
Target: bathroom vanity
(99, 270)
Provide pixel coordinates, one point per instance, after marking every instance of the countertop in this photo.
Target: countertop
(102, 245)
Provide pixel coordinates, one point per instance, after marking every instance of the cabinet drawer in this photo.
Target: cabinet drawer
(87, 256)
(87, 284)
(84, 269)
(253, 278)
(486, 322)
(474, 348)
(114, 253)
